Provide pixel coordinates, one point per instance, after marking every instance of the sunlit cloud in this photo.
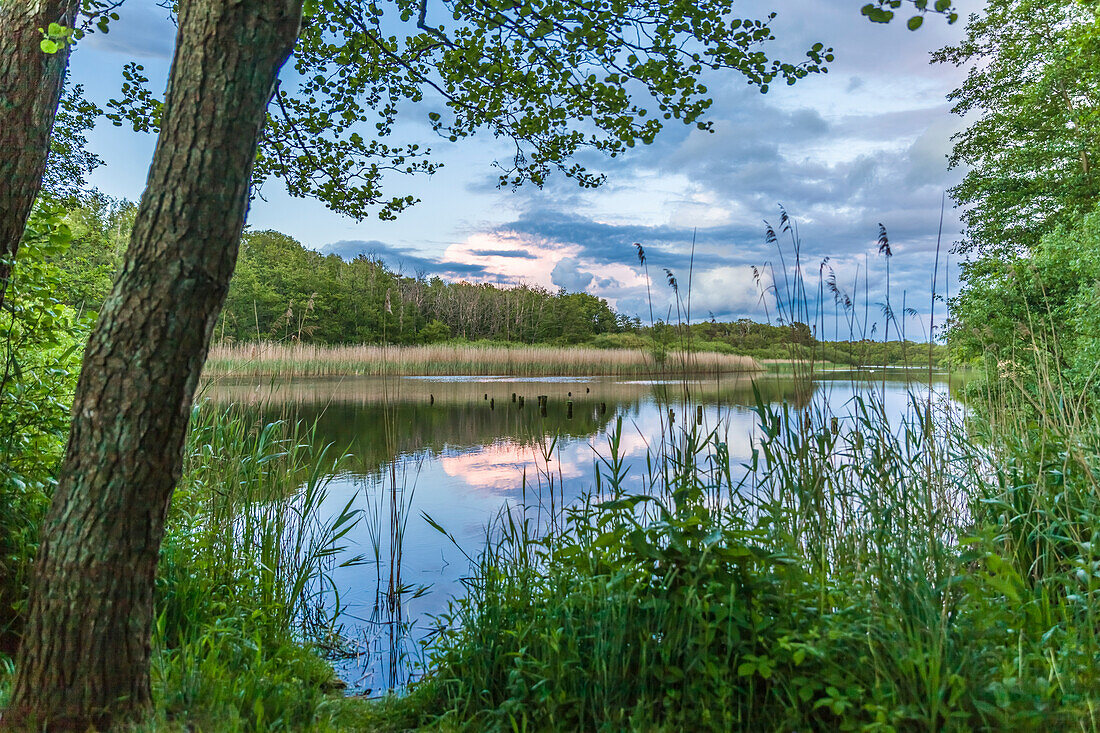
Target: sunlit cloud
(504, 467)
(511, 259)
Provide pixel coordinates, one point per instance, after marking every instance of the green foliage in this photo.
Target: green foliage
(1033, 320)
(882, 11)
(70, 162)
(100, 228)
(434, 331)
(793, 342)
(283, 291)
(1028, 311)
(40, 347)
(1034, 87)
(241, 614)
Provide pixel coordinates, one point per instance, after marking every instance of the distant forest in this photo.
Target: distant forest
(284, 291)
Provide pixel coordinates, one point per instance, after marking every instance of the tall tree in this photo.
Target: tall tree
(84, 659)
(31, 81)
(553, 76)
(1032, 94)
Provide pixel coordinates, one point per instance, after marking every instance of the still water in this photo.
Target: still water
(460, 450)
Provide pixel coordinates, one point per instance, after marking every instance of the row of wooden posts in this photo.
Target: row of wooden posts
(543, 401)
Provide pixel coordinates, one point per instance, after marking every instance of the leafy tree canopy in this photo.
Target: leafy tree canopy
(882, 11)
(1033, 91)
(552, 76)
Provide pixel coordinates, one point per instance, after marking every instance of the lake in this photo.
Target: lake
(463, 449)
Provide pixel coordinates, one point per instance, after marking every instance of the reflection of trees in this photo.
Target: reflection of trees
(375, 434)
(377, 419)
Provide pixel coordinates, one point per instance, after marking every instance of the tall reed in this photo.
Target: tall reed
(245, 605)
(296, 359)
(849, 579)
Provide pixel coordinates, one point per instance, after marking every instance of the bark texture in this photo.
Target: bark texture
(30, 89)
(84, 658)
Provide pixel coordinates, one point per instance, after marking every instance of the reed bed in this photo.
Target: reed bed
(864, 574)
(266, 359)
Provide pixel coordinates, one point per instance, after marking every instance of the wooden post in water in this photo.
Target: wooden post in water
(431, 399)
(513, 397)
(521, 402)
(603, 408)
(569, 409)
(486, 395)
(834, 424)
(492, 404)
(671, 416)
(699, 414)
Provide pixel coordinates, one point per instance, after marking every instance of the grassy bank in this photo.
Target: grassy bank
(286, 360)
(243, 631)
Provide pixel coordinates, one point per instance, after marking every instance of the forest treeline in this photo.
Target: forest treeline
(284, 291)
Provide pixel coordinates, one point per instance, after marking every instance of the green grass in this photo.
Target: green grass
(242, 622)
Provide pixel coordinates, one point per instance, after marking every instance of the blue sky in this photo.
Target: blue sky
(864, 144)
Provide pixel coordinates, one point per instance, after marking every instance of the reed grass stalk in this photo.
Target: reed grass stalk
(288, 360)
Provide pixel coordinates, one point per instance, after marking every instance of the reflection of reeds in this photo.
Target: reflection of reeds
(366, 391)
(267, 359)
(384, 649)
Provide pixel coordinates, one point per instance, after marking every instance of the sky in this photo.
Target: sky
(865, 144)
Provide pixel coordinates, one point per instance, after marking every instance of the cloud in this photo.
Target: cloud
(724, 290)
(403, 260)
(843, 151)
(502, 253)
(567, 274)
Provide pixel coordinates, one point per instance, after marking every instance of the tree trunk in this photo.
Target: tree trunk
(30, 89)
(84, 659)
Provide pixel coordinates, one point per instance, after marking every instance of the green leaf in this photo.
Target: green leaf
(915, 22)
(49, 46)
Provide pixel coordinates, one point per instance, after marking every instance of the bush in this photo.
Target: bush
(42, 344)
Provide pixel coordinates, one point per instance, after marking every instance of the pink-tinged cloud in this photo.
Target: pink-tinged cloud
(513, 258)
(510, 259)
(504, 466)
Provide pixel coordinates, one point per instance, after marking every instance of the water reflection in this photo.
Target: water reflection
(462, 450)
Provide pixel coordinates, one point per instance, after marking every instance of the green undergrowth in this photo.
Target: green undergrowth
(937, 573)
(243, 621)
(244, 630)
